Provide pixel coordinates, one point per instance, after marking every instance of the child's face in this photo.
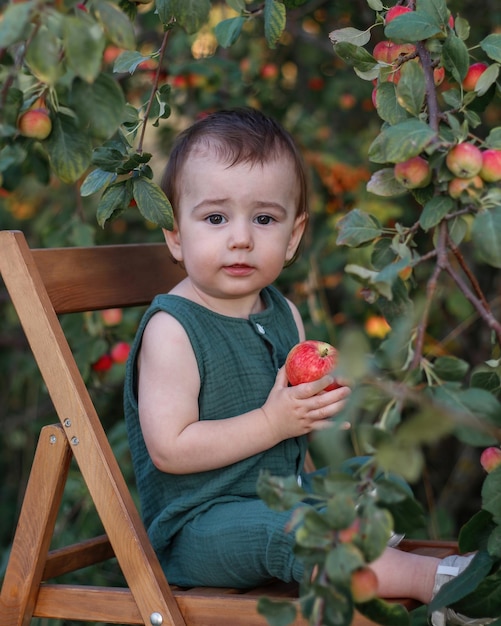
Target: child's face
(236, 226)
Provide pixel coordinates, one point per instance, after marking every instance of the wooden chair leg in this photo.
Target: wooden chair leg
(35, 527)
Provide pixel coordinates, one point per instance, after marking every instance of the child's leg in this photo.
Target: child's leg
(234, 544)
(405, 575)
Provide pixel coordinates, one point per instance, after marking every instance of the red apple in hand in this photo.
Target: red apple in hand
(310, 360)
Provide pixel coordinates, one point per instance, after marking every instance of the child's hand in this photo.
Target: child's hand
(295, 411)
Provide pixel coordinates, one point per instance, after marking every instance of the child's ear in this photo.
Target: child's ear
(173, 240)
(296, 236)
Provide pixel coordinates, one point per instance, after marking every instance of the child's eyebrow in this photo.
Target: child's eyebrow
(220, 202)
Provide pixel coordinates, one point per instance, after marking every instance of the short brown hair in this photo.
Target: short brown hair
(242, 135)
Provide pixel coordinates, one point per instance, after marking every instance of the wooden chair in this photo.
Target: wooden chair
(42, 285)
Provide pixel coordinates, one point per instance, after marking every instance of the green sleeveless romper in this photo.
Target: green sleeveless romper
(210, 528)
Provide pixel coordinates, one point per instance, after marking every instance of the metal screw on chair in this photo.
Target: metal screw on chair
(156, 619)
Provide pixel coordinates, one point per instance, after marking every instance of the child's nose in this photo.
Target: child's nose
(241, 236)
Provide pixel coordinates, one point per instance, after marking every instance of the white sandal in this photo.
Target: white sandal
(449, 568)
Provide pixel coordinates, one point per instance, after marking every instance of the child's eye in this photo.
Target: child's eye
(215, 218)
(264, 219)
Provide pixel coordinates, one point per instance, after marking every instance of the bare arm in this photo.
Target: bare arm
(168, 391)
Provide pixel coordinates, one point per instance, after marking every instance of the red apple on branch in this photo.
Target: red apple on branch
(364, 585)
(464, 160)
(472, 75)
(310, 360)
(491, 165)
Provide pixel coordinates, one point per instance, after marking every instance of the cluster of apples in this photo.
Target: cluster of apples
(35, 122)
(470, 166)
(392, 53)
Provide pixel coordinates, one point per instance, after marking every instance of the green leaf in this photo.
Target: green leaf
(491, 45)
(228, 31)
(411, 88)
(413, 26)
(494, 542)
(401, 142)
(14, 23)
(423, 428)
(351, 35)
(387, 613)
(152, 202)
(375, 530)
(455, 57)
(84, 43)
(355, 56)
(100, 106)
(436, 8)
(128, 61)
(434, 211)
(116, 24)
(486, 236)
(277, 613)
(95, 181)
(274, 21)
(115, 199)
(475, 532)
(43, 56)
(484, 601)
(357, 227)
(341, 561)
(388, 107)
(493, 139)
(191, 15)
(450, 368)
(491, 494)
(487, 79)
(69, 149)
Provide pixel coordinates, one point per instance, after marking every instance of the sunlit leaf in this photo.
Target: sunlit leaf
(69, 149)
(383, 183)
(352, 35)
(274, 21)
(191, 15)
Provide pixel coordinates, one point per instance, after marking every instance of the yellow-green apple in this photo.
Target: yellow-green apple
(490, 459)
(472, 75)
(120, 352)
(394, 12)
(310, 360)
(35, 123)
(414, 173)
(470, 187)
(364, 585)
(491, 165)
(464, 160)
